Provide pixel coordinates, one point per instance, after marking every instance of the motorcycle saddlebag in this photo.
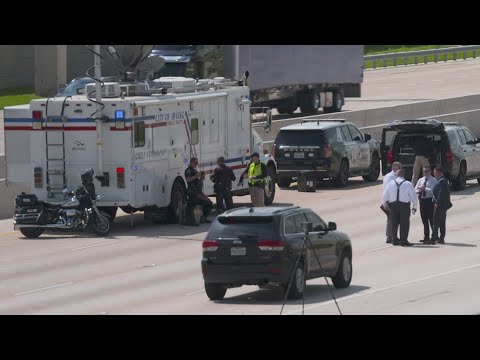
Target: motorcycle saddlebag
(26, 200)
(31, 215)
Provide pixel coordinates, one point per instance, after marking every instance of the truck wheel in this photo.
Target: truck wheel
(110, 210)
(270, 185)
(286, 110)
(215, 291)
(298, 283)
(284, 183)
(177, 204)
(31, 233)
(128, 209)
(461, 181)
(310, 103)
(342, 178)
(343, 277)
(337, 103)
(374, 169)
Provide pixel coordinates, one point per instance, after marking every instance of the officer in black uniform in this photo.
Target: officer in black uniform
(86, 193)
(222, 178)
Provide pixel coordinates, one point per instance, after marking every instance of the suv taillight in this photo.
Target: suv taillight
(38, 177)
(390, 156)
(327, 151)
(210, 245)
(271, 245)
(274, 150)
(448, 155)
(120, 177)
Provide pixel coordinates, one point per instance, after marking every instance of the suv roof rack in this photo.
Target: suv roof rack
(322, 120)
(456, 123)
(286, 209)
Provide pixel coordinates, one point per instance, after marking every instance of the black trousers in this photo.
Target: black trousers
(439, 223)
(400, 216)
(426, 211)
(223, 193)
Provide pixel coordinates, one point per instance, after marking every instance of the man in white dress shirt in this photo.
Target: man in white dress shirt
(386, 180)
(424, 190)
(399, 196)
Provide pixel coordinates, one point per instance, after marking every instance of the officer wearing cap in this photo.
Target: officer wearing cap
(222, 178)
(256, 173)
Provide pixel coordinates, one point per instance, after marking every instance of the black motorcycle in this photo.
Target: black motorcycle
(33, 217)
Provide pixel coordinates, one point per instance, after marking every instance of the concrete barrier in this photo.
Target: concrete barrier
(7, 198)
(465, 109)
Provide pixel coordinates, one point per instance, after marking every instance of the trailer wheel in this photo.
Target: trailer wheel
(176, 209)
(337, 103)
(310, 103)
(270, 185)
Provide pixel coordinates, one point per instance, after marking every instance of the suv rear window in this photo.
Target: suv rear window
(300, 138)
(230, 227)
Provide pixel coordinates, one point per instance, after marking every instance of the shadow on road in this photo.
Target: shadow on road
(353, 183)
(314, 294)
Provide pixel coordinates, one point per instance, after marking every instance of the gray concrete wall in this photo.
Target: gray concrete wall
(16, 66)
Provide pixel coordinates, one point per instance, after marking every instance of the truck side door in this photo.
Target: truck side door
(468, 152)
(474, 150)
(361, 154)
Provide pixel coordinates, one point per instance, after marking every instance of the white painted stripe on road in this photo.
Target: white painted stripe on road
(45, 288)
(378, 249)
(91, 246)
(194, 292)
(363, 293)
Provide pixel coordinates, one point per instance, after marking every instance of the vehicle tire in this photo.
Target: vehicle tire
(176, 209)
(374, 169)
(128, 209)
(215, 291)
(461, 181)
(270, 185)
(286, 110)
(298, 283)
(342, 179)
(337, 103)
(31, 233)
(284, 183)
(478, 180)
(343, 277)
(310, 103)
(101, 226)
(110, 210)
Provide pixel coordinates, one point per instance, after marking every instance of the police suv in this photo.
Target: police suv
(325, 149)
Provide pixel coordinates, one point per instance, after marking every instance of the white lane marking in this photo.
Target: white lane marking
(45, 288)
(380, 248)
(363, 293)
(194, 292)
(91, 246)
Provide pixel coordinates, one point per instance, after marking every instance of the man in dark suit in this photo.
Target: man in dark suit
(441, 201)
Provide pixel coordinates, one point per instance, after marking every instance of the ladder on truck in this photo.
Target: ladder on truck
(55, 151)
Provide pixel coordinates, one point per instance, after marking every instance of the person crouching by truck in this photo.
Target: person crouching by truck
(256, 173)
(195, 189)
(222, 179)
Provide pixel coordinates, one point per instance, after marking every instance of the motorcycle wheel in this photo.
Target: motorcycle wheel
(32, 233)
(101, 226)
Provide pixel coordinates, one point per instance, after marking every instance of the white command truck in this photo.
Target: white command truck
(142, 145)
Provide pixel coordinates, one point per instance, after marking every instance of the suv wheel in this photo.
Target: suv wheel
(215, 291)
(284, 183)
(461, 181)
(342, 178)
(374, 169)
(478, 180)
(343, 277)
(298, 283)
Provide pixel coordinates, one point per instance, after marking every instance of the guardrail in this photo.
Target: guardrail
(425, 56)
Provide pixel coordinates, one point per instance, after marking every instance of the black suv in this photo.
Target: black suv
(455, 148)
(260, 246)
(325, 149)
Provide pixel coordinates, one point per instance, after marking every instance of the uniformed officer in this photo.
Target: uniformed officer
(392, 175)
(256, 173)
(195, 188)
(222, 178)
(424, 190)
(398, 196)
